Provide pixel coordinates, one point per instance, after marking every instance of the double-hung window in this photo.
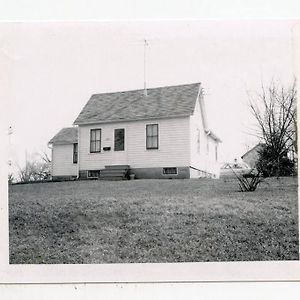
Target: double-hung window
(152, 136)
(75, 153)
(95, 140)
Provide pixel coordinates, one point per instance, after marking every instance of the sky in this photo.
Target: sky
(51, 70)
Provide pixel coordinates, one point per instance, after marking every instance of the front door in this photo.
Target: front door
(119, 151)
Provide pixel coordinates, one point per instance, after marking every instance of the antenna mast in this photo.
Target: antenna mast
(10, 132)
(145, 86)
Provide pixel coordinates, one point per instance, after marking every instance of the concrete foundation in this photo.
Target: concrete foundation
(64, 178)
(150, 173)
(157, 173)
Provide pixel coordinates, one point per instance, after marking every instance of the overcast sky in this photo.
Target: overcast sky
(51, 70)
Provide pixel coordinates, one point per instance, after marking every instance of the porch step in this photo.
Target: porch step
(112, 178)
(117, 167)
(114, 172)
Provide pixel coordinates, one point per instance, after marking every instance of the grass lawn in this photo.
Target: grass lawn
(152, 221)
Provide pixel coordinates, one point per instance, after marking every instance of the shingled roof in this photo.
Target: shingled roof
(68, 135)
(162, 102)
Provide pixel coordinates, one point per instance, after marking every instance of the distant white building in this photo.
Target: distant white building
(252, 155)
(159, 134)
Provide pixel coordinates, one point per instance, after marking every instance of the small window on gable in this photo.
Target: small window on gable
(170, 171)
(95, 140)
(152, 136)
(75, 153)
(119, 139)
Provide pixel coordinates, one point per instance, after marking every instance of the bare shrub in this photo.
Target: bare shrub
(248, 182)
(37, 168)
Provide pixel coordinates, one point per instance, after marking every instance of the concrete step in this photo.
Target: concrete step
(113, 174)
(121, 167)
(104, 171)
(112, 178)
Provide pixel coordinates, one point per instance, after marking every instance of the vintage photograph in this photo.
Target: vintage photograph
(151, 142)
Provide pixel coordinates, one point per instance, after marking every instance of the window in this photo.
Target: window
(216, 149)
(119, 139)
(93, 174)
(198, 140)
(170, 171)
(75, 153)
(95, 140)
(152, 136)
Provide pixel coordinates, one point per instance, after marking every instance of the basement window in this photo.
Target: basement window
(93, 174)
(170, 171)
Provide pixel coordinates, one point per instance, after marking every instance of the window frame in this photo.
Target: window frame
(117, 150)
(93, 177)
(95, 141)
(152, 136)
(169, 174)
(75, 153)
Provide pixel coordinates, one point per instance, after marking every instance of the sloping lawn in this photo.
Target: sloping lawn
(152, 221)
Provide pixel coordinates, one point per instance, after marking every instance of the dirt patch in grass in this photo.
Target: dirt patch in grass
(152, 221)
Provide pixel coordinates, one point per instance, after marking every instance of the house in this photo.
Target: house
(158, 133)
(65, 153)
(252, 155)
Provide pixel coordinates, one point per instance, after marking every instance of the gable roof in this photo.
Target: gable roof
(256, 148)
(68, 135)
(162, 102)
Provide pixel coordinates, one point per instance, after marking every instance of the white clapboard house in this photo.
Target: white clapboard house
(154, 133)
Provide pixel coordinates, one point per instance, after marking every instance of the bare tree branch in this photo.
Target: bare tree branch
(274, 109)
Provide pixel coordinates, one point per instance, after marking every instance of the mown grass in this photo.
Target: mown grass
(152, 221)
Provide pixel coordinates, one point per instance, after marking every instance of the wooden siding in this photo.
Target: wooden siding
(203, 157)
(62, 161)
(173, 145)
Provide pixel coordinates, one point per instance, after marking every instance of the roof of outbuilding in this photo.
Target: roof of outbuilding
(162, 102)
(68, 135)
(255, 148)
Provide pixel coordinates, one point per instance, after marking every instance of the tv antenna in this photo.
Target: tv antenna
(145, 85)
(10, 132)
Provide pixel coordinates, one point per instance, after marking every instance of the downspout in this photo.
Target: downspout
(50, 146)
(78, 156)
(204, 124)
(190, 128)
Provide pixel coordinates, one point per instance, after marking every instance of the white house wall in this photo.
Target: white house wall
(62, 161)
(202, 156)
(173, 145)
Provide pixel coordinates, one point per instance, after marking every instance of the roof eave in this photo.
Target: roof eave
(132, 120)
(63, 143)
